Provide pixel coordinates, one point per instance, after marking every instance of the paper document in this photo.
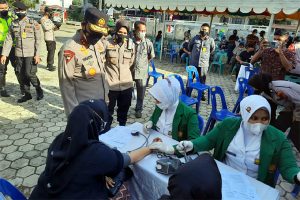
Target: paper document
(237, 186)
(117, 137)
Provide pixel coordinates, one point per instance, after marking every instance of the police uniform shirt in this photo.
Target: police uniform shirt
(144, 53)
(48, 28)
(201, 50)
(119, 60)
(81, 72)
(27, 35)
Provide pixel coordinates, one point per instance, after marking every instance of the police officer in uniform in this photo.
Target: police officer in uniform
(120, 54)
(27, 34)
(144, 53)
(49, 37)
(5, 21)
(81, 62)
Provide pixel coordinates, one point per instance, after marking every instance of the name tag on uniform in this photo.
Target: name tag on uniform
(24, 35)
(204, 49)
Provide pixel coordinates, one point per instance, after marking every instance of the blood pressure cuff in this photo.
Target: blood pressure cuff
(197, 179)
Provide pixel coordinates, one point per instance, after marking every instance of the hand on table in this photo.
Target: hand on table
(185, 146)
(109, 182)
(147, 126)
(161, 147)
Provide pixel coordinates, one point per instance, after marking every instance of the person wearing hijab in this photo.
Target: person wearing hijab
(172, 117)
(190, 182)
(248, 144)
(286, 94)
(77, 163)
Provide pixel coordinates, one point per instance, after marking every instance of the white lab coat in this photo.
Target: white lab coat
(244, 157)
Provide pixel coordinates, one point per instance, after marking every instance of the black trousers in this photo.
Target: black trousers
(123, 101)
(28, 72)
(285, 121)
(51, 46)
(3, 68)
(140, 89)
(202, 78)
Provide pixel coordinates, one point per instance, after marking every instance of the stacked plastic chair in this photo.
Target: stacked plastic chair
(7, 189)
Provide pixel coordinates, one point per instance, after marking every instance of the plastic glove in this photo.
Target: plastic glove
(161, 147)
(147, 126)
(185, 146)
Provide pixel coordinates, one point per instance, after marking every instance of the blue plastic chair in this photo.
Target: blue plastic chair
(216, 115)
(251, 70)
(296, 189)
(7, 189)
(201, 123)
(153, 73)
(183, 97)
(173, 51)
(196, 85)
(243, 88)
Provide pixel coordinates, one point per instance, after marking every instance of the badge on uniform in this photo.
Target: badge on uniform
(92, 71)
(24, 35)
(204, 49)
(68, 54)
(84, 50)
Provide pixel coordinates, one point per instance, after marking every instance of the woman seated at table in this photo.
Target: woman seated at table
(249, 145)
(171, 116)
(77, 163)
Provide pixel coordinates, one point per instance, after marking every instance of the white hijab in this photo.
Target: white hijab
(167, 92)
(252, 103)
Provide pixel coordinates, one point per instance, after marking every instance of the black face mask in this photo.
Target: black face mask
(121, 38)
(4, 13)
(92, 37)
(21, 15)
(203, 33)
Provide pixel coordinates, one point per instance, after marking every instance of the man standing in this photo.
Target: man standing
(201, 47)
(27, 34)
(276, 60)
(120, 53)
(144, 52)
(252, 39)
(81, 62)
(49, 28)
(5, 21)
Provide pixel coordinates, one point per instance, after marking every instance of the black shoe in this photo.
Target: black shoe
(39, 93)
(4, 93)
(25, 98)
(138, 114)
(51, 68)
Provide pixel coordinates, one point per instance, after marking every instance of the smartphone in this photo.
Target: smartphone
(274, 44)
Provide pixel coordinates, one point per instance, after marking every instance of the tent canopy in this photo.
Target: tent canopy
(272, 6)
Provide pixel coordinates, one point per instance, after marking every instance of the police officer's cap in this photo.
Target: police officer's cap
(122, 23)
(97, 20)
(20, 5)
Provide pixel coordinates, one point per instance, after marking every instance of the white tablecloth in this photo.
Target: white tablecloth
(243, 74)
(147, 183)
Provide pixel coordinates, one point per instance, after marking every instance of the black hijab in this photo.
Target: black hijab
(261, 83)
(197, 179)
(85, 123)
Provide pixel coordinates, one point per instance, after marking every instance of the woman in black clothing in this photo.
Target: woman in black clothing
(77, 162)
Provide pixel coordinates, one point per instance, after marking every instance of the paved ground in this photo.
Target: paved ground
(27, 129)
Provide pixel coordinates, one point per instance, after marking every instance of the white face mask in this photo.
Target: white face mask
(256, 128)
(141, 35)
